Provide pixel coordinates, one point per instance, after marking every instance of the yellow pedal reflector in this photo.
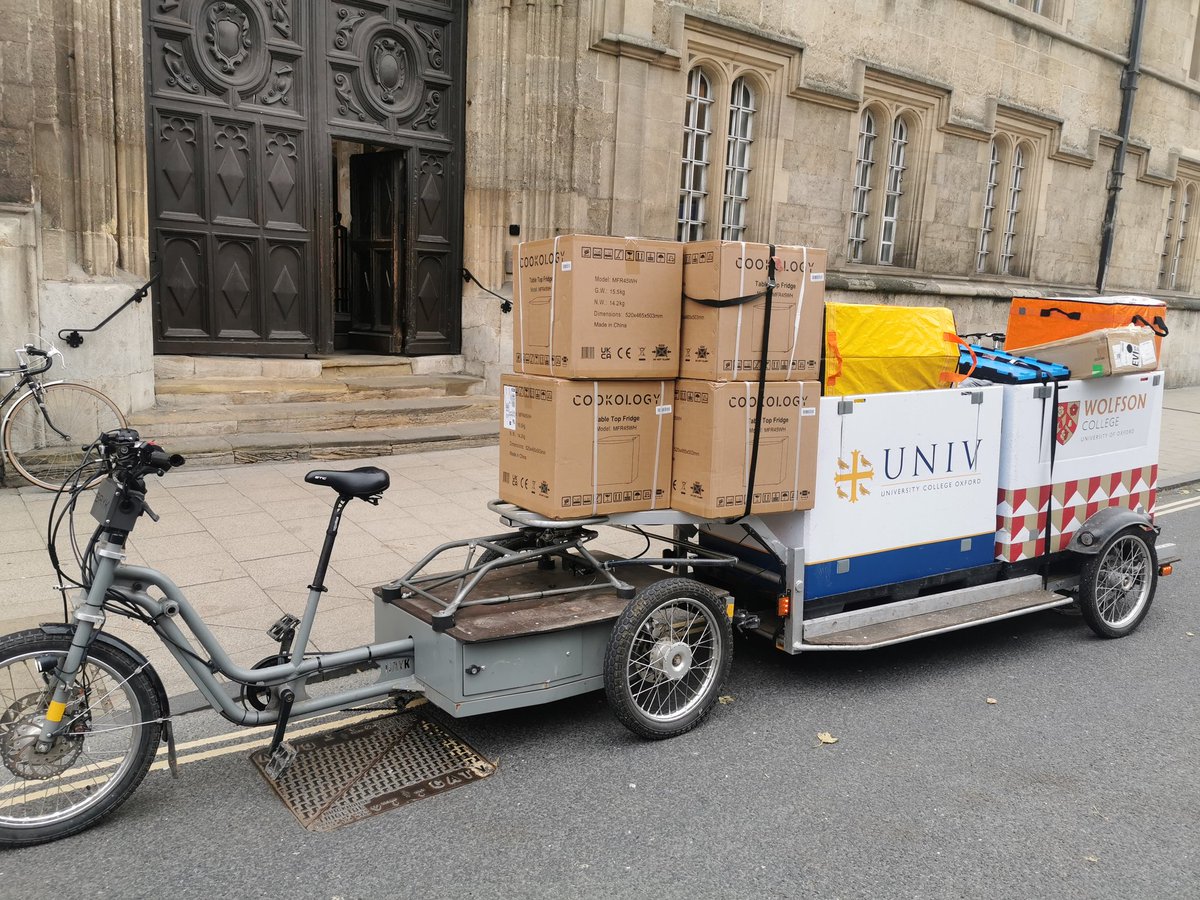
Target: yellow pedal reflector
(729, 610)
(1166, 570)
(55, 712)
(784, 606)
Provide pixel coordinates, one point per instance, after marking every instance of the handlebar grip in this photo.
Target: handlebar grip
(164, 461)
(34, 351)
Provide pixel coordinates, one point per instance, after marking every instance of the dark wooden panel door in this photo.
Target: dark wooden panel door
(229, 160)
(393, 73)
(376, 250)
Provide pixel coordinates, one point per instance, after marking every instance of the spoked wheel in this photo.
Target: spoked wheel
(46, 446)
(667, 658)
(111, 737)
(1116, 586)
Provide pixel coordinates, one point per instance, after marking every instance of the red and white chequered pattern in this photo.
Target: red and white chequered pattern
(1022, 513)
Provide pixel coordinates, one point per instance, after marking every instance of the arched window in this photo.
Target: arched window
(881, 229)
(860, 202)
(1174, 261)
(693, 178)
(737, 161)
(895, 191)
(1012, 211)
(1004, 240)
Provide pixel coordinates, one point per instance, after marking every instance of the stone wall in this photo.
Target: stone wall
(577, 107)
(73, 232)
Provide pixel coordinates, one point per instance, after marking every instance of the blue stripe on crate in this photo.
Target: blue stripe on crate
(892, 566)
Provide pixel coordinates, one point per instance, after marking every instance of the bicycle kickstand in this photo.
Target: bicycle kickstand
(281, 754)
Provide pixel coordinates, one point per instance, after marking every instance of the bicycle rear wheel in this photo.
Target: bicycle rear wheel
(44, 441)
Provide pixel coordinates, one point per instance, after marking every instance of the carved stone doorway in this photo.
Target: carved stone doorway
(244, 100)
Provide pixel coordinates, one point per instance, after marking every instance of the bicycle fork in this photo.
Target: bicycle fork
(88, 619)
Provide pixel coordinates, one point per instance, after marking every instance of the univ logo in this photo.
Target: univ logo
(1068, 421)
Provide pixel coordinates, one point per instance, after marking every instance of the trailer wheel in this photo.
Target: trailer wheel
(667, 658)
(1116, 586)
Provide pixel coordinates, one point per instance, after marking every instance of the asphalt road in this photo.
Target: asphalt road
(1080, 781)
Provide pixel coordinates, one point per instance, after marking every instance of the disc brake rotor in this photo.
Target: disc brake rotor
(20, 730)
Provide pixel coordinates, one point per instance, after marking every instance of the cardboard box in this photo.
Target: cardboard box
(714, 433)
(597, 307)
(906, 488)
(1108, 351)
(572, 449)
(725, 343)
(1105, 452)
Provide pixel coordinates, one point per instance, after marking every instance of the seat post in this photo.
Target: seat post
(335, 521)
(317, 588)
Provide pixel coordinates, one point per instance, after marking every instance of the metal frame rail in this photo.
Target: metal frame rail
(540, 539)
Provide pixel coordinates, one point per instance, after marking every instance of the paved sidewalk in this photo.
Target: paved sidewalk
(242, 541)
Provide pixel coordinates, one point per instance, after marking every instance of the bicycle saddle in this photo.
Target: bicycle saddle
(361, 482)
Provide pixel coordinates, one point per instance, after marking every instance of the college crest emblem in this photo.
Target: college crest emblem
(1068, 421)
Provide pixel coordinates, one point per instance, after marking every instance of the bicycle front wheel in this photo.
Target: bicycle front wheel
(113, 725)
(44, 435)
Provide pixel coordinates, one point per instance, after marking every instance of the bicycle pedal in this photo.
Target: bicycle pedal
(281, 629)
(280, 761)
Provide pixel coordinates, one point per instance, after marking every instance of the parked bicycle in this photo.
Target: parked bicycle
(82, 713)
(44, 431)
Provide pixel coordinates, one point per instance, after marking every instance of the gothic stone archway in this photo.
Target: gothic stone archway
(243, 100)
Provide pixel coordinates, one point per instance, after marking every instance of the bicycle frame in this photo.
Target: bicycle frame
(132, 583)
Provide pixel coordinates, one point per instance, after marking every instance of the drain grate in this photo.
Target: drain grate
(352, 773)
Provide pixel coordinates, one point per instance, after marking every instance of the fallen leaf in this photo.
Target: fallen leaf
(826, 738)
(415, 702)
(1190, 633)
(725, 700)
(1092, 858)
(991, 701)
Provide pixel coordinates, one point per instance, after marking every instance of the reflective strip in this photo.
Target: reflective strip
(55, 712)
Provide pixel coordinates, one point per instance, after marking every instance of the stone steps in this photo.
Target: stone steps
(227, 410)
(263, 389)
(354, 443)
(255, 418)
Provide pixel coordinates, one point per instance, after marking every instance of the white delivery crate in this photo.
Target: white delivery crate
(906, 488)
(1105, 454)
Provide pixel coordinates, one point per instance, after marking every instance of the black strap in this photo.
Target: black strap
(735, 301)
(762, 378)
(1044, 537)
(1159, 327)
(1073, 316)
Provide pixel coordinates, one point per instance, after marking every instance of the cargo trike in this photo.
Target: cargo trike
(905, 539)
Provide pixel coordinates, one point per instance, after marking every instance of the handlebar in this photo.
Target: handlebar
(127, 453)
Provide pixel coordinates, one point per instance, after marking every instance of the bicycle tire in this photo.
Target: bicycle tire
(81, 411)
(112, 690)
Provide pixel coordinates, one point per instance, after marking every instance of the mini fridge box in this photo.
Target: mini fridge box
(597, 307)
(1067, 455)
(714, 438)
(572, 449)
(725, 343)
(1097, 354)
(906, 488)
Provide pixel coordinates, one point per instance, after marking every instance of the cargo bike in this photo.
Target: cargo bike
(934, 511)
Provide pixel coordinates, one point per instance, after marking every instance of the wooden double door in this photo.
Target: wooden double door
(244, 100)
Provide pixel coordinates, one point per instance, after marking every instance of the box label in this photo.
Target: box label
(510, 407)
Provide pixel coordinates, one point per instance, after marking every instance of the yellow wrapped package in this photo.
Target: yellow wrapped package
(880, 349)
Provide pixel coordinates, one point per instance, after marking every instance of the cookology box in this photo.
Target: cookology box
(1106, 351)
(570, 449)
(1064, 459)
(714, 438)
(906, 484)
(597, 307)
(725, 343)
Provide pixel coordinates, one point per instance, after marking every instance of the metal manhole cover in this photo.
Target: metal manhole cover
(352, 773)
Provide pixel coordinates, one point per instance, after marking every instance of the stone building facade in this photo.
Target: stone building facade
(955, 152)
